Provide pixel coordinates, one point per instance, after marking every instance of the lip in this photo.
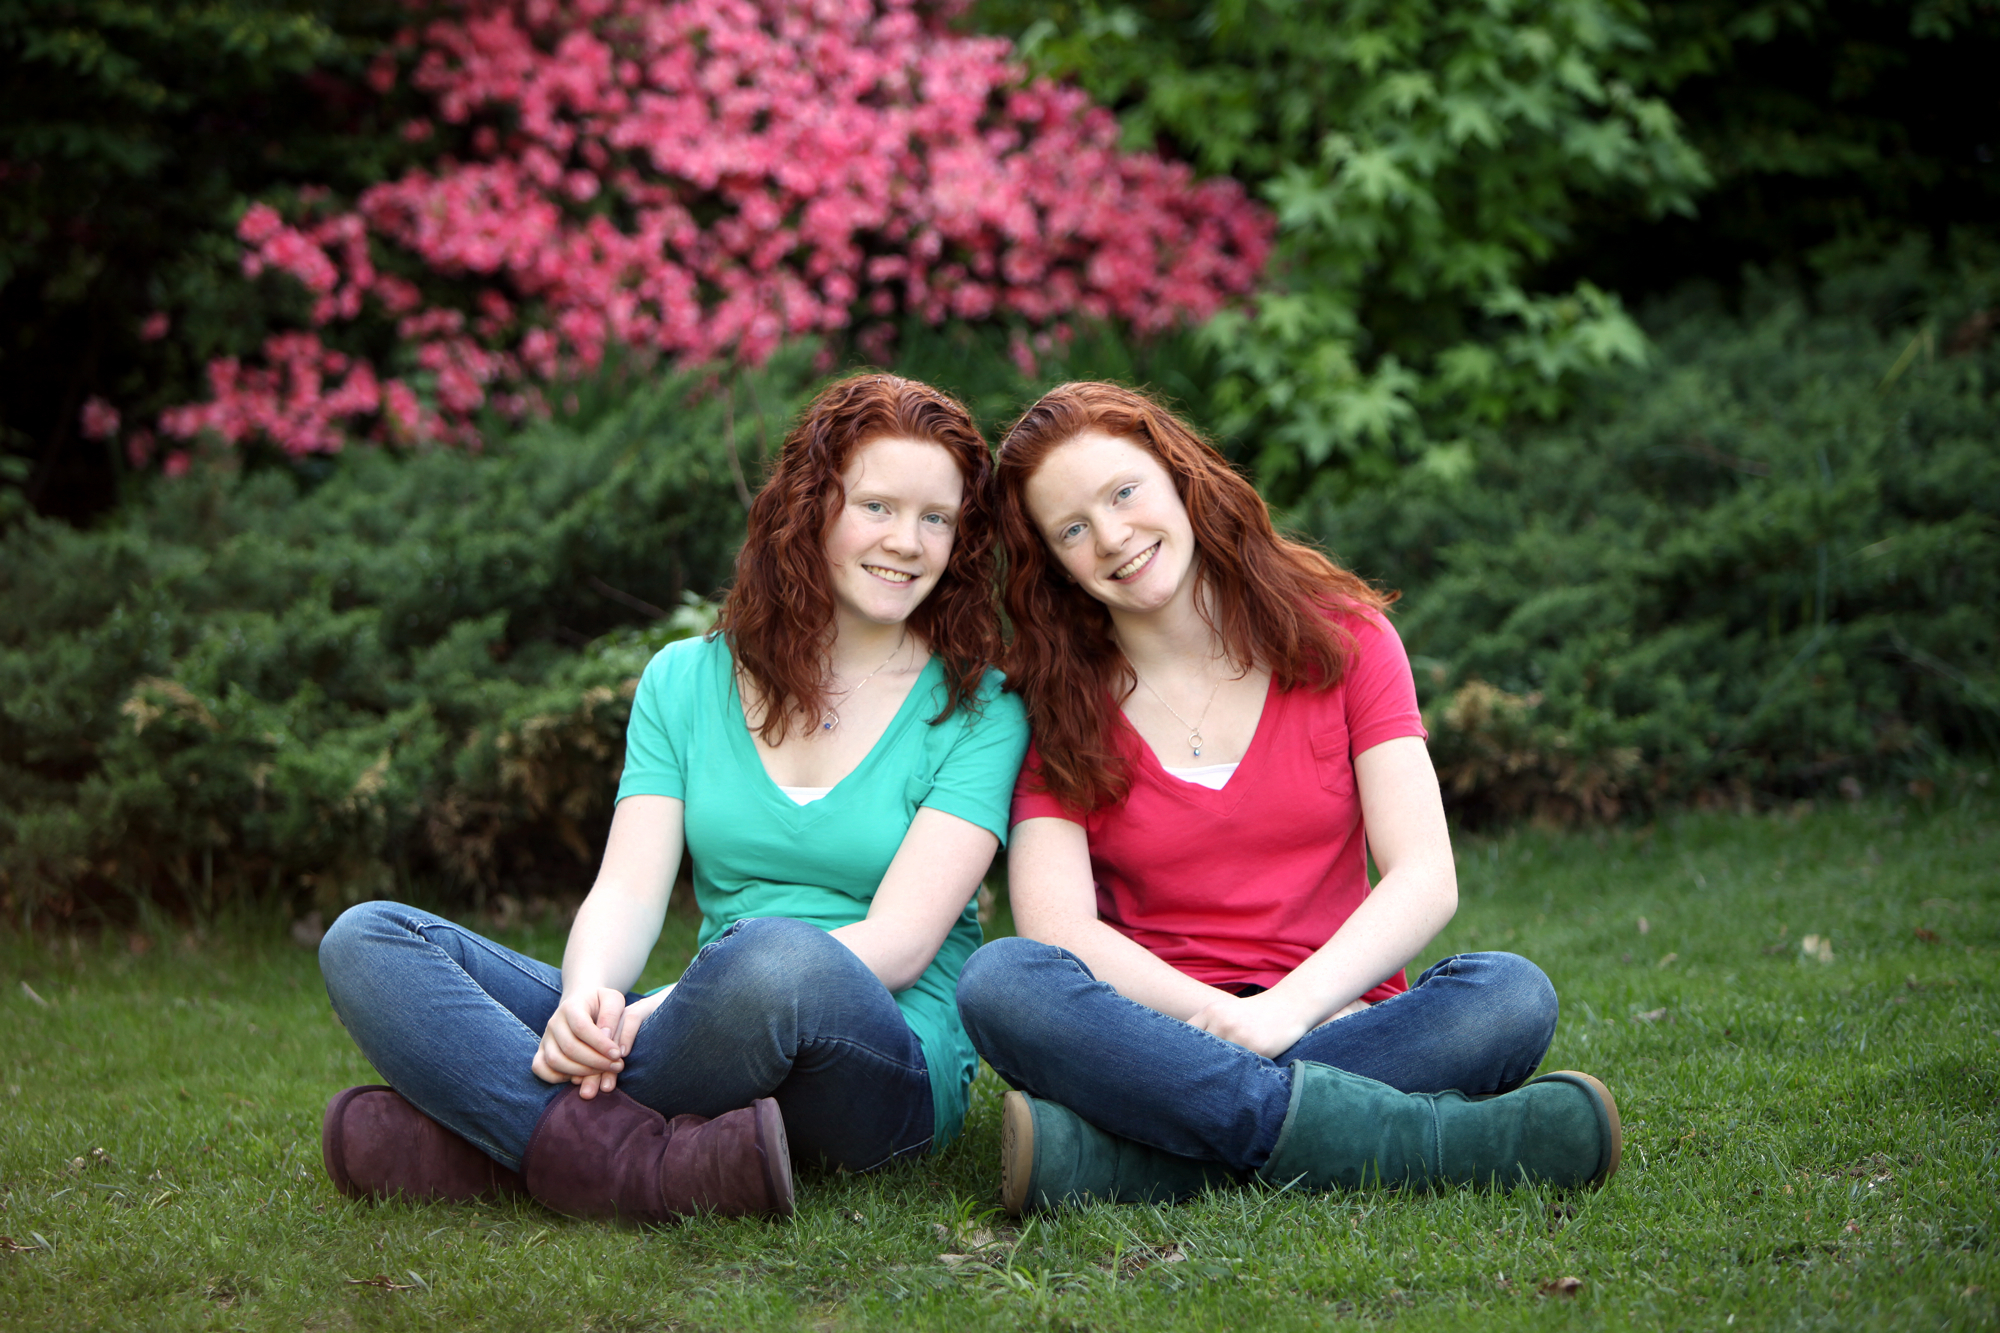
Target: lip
(1136, 566)
(897, 578)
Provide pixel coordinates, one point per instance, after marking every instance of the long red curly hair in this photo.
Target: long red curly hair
(778, 615)
(1265, 595)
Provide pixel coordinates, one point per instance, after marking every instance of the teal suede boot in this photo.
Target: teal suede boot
(1050, 1155)
(1347, 1132)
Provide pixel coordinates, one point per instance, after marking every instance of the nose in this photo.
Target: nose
(903, 537)
(1111, 533)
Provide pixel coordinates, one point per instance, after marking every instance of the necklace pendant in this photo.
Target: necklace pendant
(1195, 743)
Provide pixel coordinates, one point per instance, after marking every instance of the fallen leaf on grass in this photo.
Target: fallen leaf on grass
(1650, 1016)
(977, 1242)
(29, 991)
(1560, 1286)
(1668, 961)
(1645, 926)
(382, 1282)
(1819, 948)
(8, 1245)
(1927, 935)
(1140, 1258)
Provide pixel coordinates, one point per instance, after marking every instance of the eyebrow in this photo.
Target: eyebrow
(860, 494)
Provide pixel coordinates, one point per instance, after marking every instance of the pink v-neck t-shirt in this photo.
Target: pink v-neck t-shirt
(1239, 886)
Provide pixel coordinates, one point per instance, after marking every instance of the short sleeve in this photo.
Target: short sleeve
(975, 778)
(655, 735)
(1031, 801)
(1380, 689)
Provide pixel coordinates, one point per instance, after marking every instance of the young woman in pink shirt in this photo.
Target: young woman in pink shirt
(1205, 986)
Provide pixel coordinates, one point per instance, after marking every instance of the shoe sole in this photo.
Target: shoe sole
(777, 1152)
(1607, 1107)
(1017, 1152)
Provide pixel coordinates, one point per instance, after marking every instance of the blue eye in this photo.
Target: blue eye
(1071, 531)
(1125, 492)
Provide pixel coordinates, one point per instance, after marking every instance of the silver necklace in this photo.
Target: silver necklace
(1194, 728)
(832, 718)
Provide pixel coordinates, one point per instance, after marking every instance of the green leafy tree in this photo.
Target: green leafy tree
(1425, 159)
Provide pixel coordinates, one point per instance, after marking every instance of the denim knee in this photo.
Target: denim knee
(773, 962)
(1520, 1000)
(353, 933)
(987, 981)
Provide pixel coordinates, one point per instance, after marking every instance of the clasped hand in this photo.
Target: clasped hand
(1266, 1023)
(589, 1036)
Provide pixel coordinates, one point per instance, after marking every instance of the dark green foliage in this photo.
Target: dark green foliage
(1769, 565)
(135, 131)
(249, 687)
(1832, 127)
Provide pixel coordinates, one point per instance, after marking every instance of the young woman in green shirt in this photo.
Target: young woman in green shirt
(838, 759)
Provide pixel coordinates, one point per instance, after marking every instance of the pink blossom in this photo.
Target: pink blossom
(854, 161)
(177, 464)
(100, 419)
(154, 326)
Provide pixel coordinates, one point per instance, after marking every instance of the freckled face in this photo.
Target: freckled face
(891, 538)
(1113, 519)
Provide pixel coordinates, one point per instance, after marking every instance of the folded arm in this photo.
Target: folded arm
(1411, 902)
(1054, 898)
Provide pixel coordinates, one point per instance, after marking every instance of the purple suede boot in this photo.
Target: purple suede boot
(375, 1145)
(615, 1157)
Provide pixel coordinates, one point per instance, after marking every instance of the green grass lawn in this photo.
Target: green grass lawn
(1810, 1138)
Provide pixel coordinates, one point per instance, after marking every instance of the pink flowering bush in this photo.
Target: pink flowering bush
(705, 179)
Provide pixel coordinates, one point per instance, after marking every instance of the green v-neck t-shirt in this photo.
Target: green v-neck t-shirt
(757, 853)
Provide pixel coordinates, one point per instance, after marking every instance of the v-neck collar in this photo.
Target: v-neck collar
(774, 795)
(1225, 800)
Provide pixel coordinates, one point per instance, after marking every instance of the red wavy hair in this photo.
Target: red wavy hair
(779, 611)
(1265, 595)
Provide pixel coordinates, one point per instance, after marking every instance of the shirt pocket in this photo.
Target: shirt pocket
(917, 789)
(1331, 758)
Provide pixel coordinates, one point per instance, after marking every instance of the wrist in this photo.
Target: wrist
(1303, 1010)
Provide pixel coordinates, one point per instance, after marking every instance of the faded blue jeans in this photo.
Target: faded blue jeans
(770, 1008)
(1475, 1022)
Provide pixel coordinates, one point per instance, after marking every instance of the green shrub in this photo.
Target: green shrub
(1767, 566)
(250, 686)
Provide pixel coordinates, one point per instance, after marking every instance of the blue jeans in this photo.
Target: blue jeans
(1476, 1022)
(770, 1008)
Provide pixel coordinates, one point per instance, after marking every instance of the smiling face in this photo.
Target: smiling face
(892, 535)
(1114, 520)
